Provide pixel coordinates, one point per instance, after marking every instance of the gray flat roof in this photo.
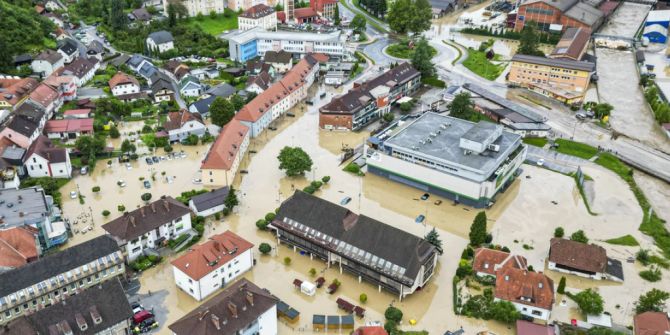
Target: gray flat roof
(564, 63)
(480, 131)
(486, 94)
(446, 145)
(24, 206)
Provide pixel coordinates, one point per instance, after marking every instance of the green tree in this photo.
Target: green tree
(528, 42)
(462, 106)
(105, 213)
(363, 298)
(237, 101)
(422, 58)
(231, 199)
(504, 311)
(358, 23)
(602, 110)
(294, 161)
(422, 14)
(589, 301)
(559, 232)
(400, 16)
(114, 132)
(478, 229)
(127, 147)
(336, 15)
(95, 189)
(117, 18)
(146, 197)
(393, 314)
(434, 238)
(264, 248)
(579, 236)
(652, 301)
(262, 224)
(175, 10)
(222, 111)
(90, 146)
(561, 286)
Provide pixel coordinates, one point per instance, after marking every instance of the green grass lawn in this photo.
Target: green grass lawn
(536, 141)
(626, 240)
(575, 149)
(433, 81)
(215, 26)
(401, 50)
(477, 63)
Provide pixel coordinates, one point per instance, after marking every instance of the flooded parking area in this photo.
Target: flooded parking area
(626, 20)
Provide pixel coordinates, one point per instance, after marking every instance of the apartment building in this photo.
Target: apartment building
(562, 79)
(469, 163)
(325, 8)
(259, 15)
(203, 7)
(49, 280)
(224, 156)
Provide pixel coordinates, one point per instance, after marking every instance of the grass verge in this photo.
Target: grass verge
(401, 50)
(433, 81)
(627, 240)
(576, 149)
(583, 194)
(480, 65)
(460, 53)
(535, 141)
(217, 25)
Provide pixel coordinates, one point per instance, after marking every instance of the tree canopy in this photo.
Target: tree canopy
(529, 41)
(422, 58)
(579, 236)
(589, 301)
(294, 161)
(231, 199)
(222, 111)
(406, 16)
(434, 238)
(23, 30)
(652, 301)
(478, 229)
(358, 23)
(462, 106)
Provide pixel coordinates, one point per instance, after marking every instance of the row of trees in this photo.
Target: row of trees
(410, 16)
(223, 110)
(375, 7)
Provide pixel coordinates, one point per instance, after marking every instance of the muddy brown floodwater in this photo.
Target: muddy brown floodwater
(523, 212)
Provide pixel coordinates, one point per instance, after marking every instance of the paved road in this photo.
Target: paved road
(555, 160)
(368, 17)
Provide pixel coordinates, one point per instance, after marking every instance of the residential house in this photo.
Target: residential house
(565, 80)
(363, 246)
(224, 156)
(136, 61)
(205, 72)
(68, 129)
(39, 284)
(524, 327)
(47, 62)
(584, 260)
(100, 310)
(335, 78)
(209, 203)
(162, 89)
(259, 15)
(46, 98)
(141, 14)
(558, 15)
(532, 293)
(325, 8)
(281, 60)
(149, 226)
(222, 90)
(150, 72)
(210, 266)
(69, 49)
(83, 69)
(13, 90)
(19, 246)
(23, 60)
(95, 49)
(487, 261)
(651, 323)
(160, 41)
(11, 164)
(43, 159)
(368, 101)
(77, 113)
(572, 45)
(305, 15)
(177, 69)
(65, 85)
(23, 128)
(441, 7)
(256, 67)
(280, 97)
(242, 308)
(202, 106)
(182, 124)
(190, 87)
(370, 330)
(56, 19)
(259, 83)
(122, 84)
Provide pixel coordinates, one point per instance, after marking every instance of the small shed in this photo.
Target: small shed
(333, 321)
(287, 312)
(347, 322)
(308, 288)
(318, 322)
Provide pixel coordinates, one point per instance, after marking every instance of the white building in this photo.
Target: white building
(532, 293)
(200, 7)
(254, 311)
(190, 86)
(210, 266)
(224, 156)
(47, 62)
(122, 84)
(45, 160)
(259, 15)
(160, 41)
(149, 227)
(182, 124)
(209, 203)
(68, 48)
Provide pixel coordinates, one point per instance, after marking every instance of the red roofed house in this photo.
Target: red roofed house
(122, 84)
(528, 328)
(14, 89)
(324, 8)
(488, 261)
(66, 86)
(305, 15)
(68, 129)
(77, 113)
(182, 124)
(209, 266)
(582, 259)
(370, 330)
(47, 98)
(651, 323)
(532, 293)
(18, 246)
(45, 160)
(225, 155)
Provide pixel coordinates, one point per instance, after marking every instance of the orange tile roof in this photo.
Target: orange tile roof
(15, 89)
(44, 95)
(122, 78)
(18, 246)
(224, 150)
(525, 287)
(489, 261)
(211, 255)
(370, 330)
(304, 13)
(176, 120)
(85, 111)
(69, 125)
(651, 323)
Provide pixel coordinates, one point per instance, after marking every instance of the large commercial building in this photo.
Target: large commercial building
(48, 280)
(256, 41)
(565, 80)
(377, 252)
(558, 15)
(368, 101)
(460, 160)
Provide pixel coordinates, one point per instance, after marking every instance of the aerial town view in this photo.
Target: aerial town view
(350, 167)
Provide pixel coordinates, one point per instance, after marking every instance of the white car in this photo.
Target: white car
(121, 183)
(73, 195)
(169, 179)
(197, 181)
(128, 166)
(540, 162)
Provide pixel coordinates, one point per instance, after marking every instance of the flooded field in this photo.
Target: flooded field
(524, 209)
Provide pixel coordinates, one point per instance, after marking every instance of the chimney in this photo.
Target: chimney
(202, 315)
(233, 309)
(153, 207)
(215, 321)
(132, 220)
(166, 204)
(142, 211)
(250, 298)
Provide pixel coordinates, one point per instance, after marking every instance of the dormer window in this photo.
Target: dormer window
(486, 265)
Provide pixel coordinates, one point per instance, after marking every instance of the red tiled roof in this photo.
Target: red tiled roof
(281, 17)
(14, 89)
(224, 150)
(305, 12)
(122, 78)
(525, 287)
(44, 95)
(651, 323)
(529, 328)
(18, 246)
(69, 125)
(204, 258)
(577, 255)
(257, 11)
(85, 111)
(176, 120)
(489, 261)
(370, 330)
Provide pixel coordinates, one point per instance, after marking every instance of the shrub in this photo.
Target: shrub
(561, 286)
(391, 327)
(105, 213)
(393, 314)
(363, 298)
(287, 260)
(217, 216)
(95, 189)
(316, 184)
(270, 216)
(312, 272)
(652, 275)
(309, 189)
(505, 249)
(121, 208)
(325, 179)
(464, 269)
(262, 224)
(579, 236)
(146, 196)
(264, 248)
(559, 232)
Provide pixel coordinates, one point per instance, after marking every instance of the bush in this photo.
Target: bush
(105, 213)
(287, 260)
(121, 208)
(95, 189)
(652, 275)
(579, 236)
(309, 189)
(561, 286)
(559, 232)
(262, 224)
(264, 248)
(316, 184)
(464, 269)
(391, 327)
(312, 272)
(325, 179)
(270, 216)
(363, 298)
(217, 216)
(393, 314)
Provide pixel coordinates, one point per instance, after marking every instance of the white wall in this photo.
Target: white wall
(125, 89)
(37, 166)
(268, 322)
(168, 230)
(528, 311)
(190, 127)
(597, 276)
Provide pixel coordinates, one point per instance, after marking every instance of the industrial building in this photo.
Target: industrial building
(467, 162)
(558, 15)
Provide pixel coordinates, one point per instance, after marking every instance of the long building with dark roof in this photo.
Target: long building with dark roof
(369, 100)
(372, 250)
(46, 281)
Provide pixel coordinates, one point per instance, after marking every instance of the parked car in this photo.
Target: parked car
(136, 307)
(420, 218)
(197, 181)
(425, 196)
(149, 161)
(540, 162)
(147, 184)
(141, 316)
(73, 195)
(128, 166)
(83, 170)
(121, 183)
(345, 201)
(155, 159)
